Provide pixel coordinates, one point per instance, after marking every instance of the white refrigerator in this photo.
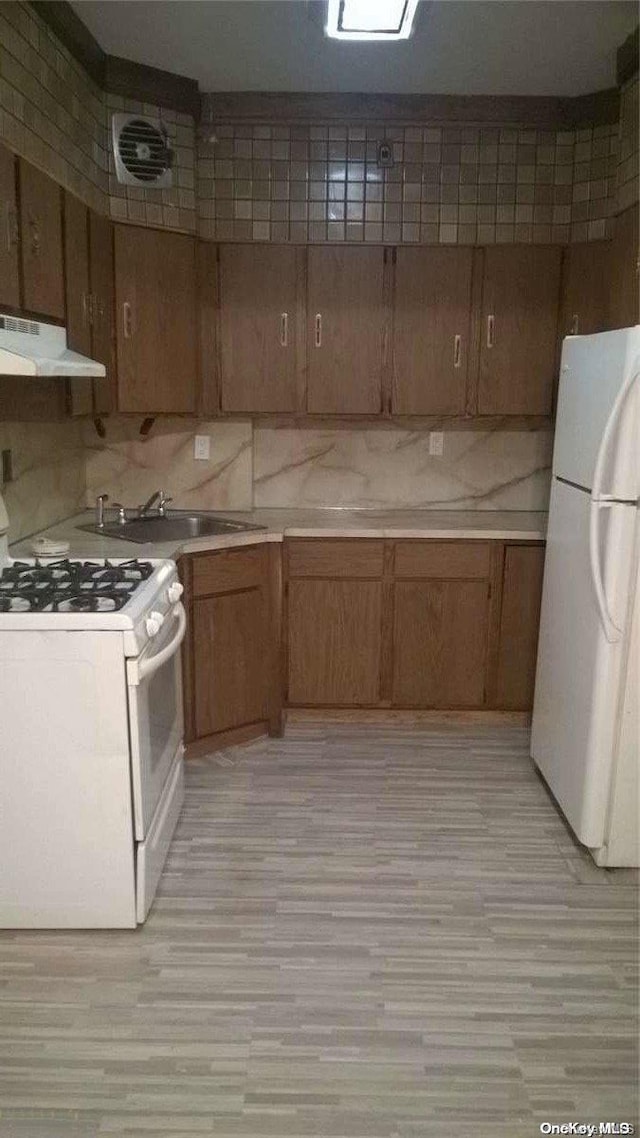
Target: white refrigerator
(585, 736)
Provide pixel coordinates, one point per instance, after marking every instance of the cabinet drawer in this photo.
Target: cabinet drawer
(453, 559)
(228, 571)
(335, 558)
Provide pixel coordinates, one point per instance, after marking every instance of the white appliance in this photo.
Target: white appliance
(586, 716)
(30, 348)
(91, 738)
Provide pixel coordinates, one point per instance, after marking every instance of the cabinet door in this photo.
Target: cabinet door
(585, 289)
(624, 309)
(520, 299)
(230, 654)
(155, 276)
(76, 274)
(334, 642)
(519, 621)
(259, 327)
(440, 643)
(9, 235)
(431, 318)
(345, 315)
(101, 277)
(41, 243)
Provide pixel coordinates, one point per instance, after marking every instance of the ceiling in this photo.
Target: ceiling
(472, 47)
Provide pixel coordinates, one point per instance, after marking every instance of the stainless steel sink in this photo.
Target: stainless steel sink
(172, 526)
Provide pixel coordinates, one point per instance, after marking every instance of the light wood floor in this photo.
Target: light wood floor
(361, 931)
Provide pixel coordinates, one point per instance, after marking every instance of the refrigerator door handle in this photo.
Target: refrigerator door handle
(612, 633)
(600, 501)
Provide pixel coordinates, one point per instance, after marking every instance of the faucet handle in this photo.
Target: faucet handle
(100, 501)
(122, 513)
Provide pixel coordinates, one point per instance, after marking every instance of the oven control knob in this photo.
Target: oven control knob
(174, 592)
(154, 623)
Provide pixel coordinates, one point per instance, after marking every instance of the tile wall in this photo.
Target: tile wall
(628, 156)
(173, 208)
(51, 112)
(449, 184)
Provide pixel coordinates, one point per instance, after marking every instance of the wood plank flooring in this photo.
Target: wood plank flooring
(362, 931)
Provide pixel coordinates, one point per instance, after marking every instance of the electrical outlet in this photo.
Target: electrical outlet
(202, 447)
(7, 467)
(436, 443)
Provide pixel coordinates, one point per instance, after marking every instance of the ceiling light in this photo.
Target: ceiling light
(370, 19)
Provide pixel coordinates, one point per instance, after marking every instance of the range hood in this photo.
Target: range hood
(32, 349)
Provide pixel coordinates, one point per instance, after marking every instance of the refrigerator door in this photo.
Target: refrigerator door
(578, 674)
(592, 373)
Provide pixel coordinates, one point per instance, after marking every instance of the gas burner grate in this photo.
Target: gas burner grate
(70, 586)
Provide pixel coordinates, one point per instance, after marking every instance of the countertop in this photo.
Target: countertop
(470, 524)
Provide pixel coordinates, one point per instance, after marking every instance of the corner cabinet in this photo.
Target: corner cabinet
(9, 232)
(156, 321)
(41, 243)
(231, 654)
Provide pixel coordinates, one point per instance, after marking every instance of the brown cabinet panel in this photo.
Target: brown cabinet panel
(431, 326)
(230, 649)
(41, 243)
(519, 321)
(519, 622)
(325, 557)
(102, 331)
(76, 271)
(585, 289)
(624, 308)
(440, 644)
(259, 327)
(228, 570)
(345, 319)
(334, 645)
(156, 331)
(9, 231)
(443, 559)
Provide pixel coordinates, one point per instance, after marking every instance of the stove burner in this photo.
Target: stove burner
(70, 586)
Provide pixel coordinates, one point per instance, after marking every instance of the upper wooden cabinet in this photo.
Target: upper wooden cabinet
(585, 289)
(519, 322)
(624, 309)
(431, 323)
(76, 272)
(41, 243)
(260, 327)
(345, 330)
(155, 283)
(9, 232)
(101, 269)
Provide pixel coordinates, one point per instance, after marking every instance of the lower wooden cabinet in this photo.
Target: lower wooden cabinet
(231, 653)
(411, 624)
(519, 621)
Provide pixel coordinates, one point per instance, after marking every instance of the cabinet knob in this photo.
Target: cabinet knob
(457, 351)
(575, 324)
(318, 336)
(284, 329)
(34, 227)
(13, 233)
(127, 320)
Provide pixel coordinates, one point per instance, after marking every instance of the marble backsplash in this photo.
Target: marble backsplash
(288, 467)
(130, 468)
(49, 474)
(478, 470)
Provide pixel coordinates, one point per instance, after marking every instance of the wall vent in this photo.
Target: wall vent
(141, 151)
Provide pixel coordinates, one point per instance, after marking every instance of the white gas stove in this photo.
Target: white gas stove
(92, 737)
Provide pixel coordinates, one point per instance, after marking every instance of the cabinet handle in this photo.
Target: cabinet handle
(457, 351)
(490, 330)
(86, 308)
(13, 235)
(575, 324)
(34, 226)
(284, 329)
(127, 321)
(318, 340)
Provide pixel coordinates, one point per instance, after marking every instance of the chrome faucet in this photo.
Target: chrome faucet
(100, 501)
(158, 496)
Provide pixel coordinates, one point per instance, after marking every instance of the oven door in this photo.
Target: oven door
(154, 684)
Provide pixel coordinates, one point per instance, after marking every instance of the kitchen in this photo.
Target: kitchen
(341, 323)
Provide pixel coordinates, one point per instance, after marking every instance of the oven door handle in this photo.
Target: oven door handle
(140, 669)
